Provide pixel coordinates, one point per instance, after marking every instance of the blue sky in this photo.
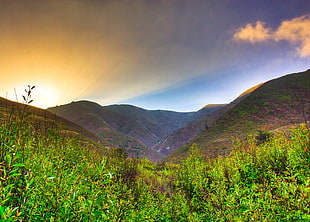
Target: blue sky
(177, 55)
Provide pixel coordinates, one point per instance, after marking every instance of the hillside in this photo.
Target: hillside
(204, 120)
(102, 122)
(278, 103)
(52, 177)
(43, 121)
(146, 126)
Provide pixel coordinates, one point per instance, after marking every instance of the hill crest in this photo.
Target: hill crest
(280, 102)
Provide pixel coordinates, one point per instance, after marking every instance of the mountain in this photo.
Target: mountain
(44, 121)
(205, 118)
(178, 138)
(101, 142)
(103, 122)
(147, 126)
(279, 103)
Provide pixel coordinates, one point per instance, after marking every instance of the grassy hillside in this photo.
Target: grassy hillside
(159, 122)
(279, 103)
(146, 126)
(149, 127)
(43, 120)
(203, 119)
(51, 177)
(108, 125)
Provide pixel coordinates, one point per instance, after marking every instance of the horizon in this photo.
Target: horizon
(157, 109)
(157, 55)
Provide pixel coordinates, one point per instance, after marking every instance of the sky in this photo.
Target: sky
(156, 54)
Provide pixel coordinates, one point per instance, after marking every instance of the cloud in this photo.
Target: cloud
(295, 31)
(253, 34)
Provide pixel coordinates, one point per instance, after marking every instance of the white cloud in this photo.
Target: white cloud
(296, 31)
(253, 34)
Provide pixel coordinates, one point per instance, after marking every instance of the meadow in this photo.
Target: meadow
(47, 176)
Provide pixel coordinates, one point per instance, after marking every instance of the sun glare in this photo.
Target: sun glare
(44, 96)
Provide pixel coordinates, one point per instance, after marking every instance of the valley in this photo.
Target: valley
(268, 106)
(128, 126)
(235, 162)
(155, 111)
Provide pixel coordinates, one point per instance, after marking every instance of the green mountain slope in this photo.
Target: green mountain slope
(204, 118)
(159, 122)
(113, 122)
(43, 121)
(104, 124)
(180, 137)
(278, 103)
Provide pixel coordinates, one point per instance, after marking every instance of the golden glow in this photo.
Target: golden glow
(45, 96)
(83, 51)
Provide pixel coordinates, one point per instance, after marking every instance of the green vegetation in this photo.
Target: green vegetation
(50, 177)
(276, 105)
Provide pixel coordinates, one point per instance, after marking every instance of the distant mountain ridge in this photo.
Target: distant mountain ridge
(102, 122)
(151, 125)
(147, 126)
(203, 121)
(203, 118)
(172, 133)
(278, 103)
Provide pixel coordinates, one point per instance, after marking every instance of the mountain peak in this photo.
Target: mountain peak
(250, 90)
(210, 106)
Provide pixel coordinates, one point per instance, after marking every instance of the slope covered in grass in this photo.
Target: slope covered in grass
(148, 127)
(145, 126)
(51, 177)
(278, 103)
(118, 129)
(42, 120)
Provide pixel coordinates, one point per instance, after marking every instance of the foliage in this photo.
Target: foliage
(50, 177)
(262, 137)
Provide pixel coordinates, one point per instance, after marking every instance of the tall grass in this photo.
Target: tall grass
(50, 177)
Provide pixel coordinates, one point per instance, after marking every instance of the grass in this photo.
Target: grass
(50, 177)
